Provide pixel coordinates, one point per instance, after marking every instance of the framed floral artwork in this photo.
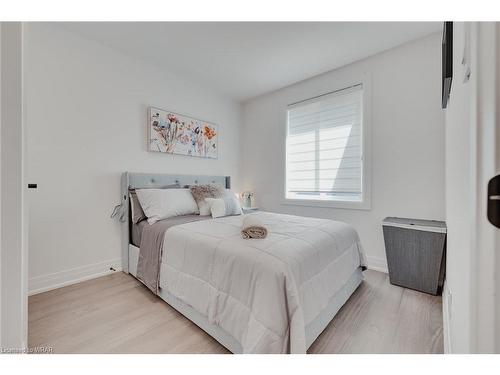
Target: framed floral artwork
(174, 133)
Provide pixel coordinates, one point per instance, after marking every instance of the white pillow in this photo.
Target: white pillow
(159, 204)
(216, 206)
(225, 206)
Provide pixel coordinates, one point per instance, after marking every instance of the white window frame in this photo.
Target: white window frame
(365, 203)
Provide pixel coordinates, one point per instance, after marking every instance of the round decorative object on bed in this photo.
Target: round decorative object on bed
(253, 227)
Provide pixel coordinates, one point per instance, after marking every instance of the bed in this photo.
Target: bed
(274, 295)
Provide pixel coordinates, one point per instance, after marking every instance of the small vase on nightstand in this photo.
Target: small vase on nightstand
(247, 199)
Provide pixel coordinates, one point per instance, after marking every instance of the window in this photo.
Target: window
(324, 149)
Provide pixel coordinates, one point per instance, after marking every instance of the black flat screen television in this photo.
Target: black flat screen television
(447, 62)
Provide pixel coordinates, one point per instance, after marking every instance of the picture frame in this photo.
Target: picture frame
(174, 133)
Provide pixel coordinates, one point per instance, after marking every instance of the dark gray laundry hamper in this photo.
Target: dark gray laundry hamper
(416, 253)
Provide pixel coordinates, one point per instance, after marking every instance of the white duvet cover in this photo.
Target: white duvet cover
(263, 292)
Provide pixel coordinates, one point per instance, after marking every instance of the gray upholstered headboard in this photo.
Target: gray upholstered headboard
(151, 181)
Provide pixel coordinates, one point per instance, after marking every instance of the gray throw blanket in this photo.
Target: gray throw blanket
(151, 250)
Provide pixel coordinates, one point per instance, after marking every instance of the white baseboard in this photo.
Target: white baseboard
(56, 280)
(446, 319)
(377, 264)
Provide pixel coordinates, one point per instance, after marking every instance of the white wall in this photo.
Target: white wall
(13, 254)
(407, 141)
(470, 298)
(1, 251)
(86, 120)
(460, 138)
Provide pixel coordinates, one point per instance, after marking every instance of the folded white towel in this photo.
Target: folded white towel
(252, 227)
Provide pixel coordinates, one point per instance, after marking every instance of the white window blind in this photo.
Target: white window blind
(324, 159)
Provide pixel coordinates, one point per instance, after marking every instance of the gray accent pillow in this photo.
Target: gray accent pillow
(200, 192)
(137, 212)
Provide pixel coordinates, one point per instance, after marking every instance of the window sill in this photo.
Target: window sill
(327, 204)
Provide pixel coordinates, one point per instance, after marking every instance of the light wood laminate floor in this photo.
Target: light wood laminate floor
(117, 314)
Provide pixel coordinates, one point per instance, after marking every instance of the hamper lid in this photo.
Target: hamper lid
(415, 224)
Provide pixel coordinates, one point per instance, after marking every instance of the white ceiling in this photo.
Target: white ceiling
(244, 60)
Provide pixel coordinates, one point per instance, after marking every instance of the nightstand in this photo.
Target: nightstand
(249, 210)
